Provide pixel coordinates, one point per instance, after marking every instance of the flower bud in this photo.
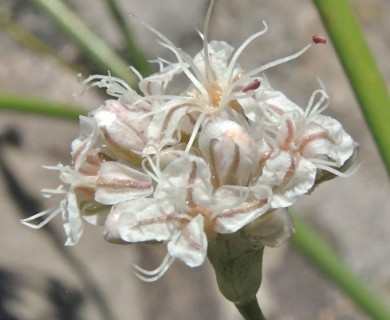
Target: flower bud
(230, 151)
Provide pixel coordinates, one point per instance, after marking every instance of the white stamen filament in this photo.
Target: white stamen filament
(194, 132)
(209, 70)
(154, 275)
(351, 171)
(279, 61)
(239, 50)
(313, 110)
(137, 73)
(178, 53)
(51, 214)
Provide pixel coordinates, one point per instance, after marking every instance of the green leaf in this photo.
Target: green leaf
(96, 49)
(361, 69)
(316, 250)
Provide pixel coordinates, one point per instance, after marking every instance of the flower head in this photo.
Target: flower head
(211, 167)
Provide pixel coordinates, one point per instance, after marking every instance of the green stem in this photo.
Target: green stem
(23, 104)
(251, 310)
(136, 55)
(361, 69)
(324, 258)
(95, 48)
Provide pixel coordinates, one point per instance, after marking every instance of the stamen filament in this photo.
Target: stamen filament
(51, 214)
(154, 275)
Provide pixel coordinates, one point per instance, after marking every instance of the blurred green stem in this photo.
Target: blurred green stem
(17, 103)
(138, 58)
(324, 258)
(33, 43)
(361, 69)
(95, 48)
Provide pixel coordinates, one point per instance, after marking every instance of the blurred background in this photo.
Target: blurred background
(41, 279)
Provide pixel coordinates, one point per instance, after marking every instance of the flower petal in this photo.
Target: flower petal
(289, 176)
(271, 229)
(81, 146)
(73, 224)
(186, 181)
(326, 136)
(118, 182)
(190, 244)
(122, 128)
(239, 206)
(146, 220)
(164, 129)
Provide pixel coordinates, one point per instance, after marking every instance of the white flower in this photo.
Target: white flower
(185, 211)
(217, 83)
(92, 185)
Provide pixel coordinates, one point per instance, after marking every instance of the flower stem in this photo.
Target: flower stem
(361, 69)
(324, 258)
(251, 310)
(237, 265)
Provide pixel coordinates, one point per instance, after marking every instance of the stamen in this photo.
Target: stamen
(336, 172)
(48, 193)
(116, 87)
(175, 102)
(252, 85)
(194, 132)
(51, 214)
(177, 52)
(209, 71)
(318, 39)
(137, 73)
(154, 275)
(279, 61)
(329, 166)
(58, 167)
(156, 171)
(311, 110)
(239, 50)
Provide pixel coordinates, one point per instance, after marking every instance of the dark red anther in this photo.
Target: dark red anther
(318, 39)
(252, 85)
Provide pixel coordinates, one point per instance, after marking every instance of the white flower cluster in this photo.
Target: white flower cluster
(179, 168)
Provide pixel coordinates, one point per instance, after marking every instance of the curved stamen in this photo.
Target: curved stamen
(336, 172)
(108, 82)
(195, 132)
(155, 174)
(177, 52)
(48, 193)
(239, 50)
(51, 214)
(137, 73)
(209, 70)
(154, 275)
(279, 61)
(313, 110)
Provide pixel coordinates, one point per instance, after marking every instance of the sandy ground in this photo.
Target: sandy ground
(40, 279)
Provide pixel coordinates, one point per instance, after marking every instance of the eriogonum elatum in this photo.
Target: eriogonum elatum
(225, 156)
